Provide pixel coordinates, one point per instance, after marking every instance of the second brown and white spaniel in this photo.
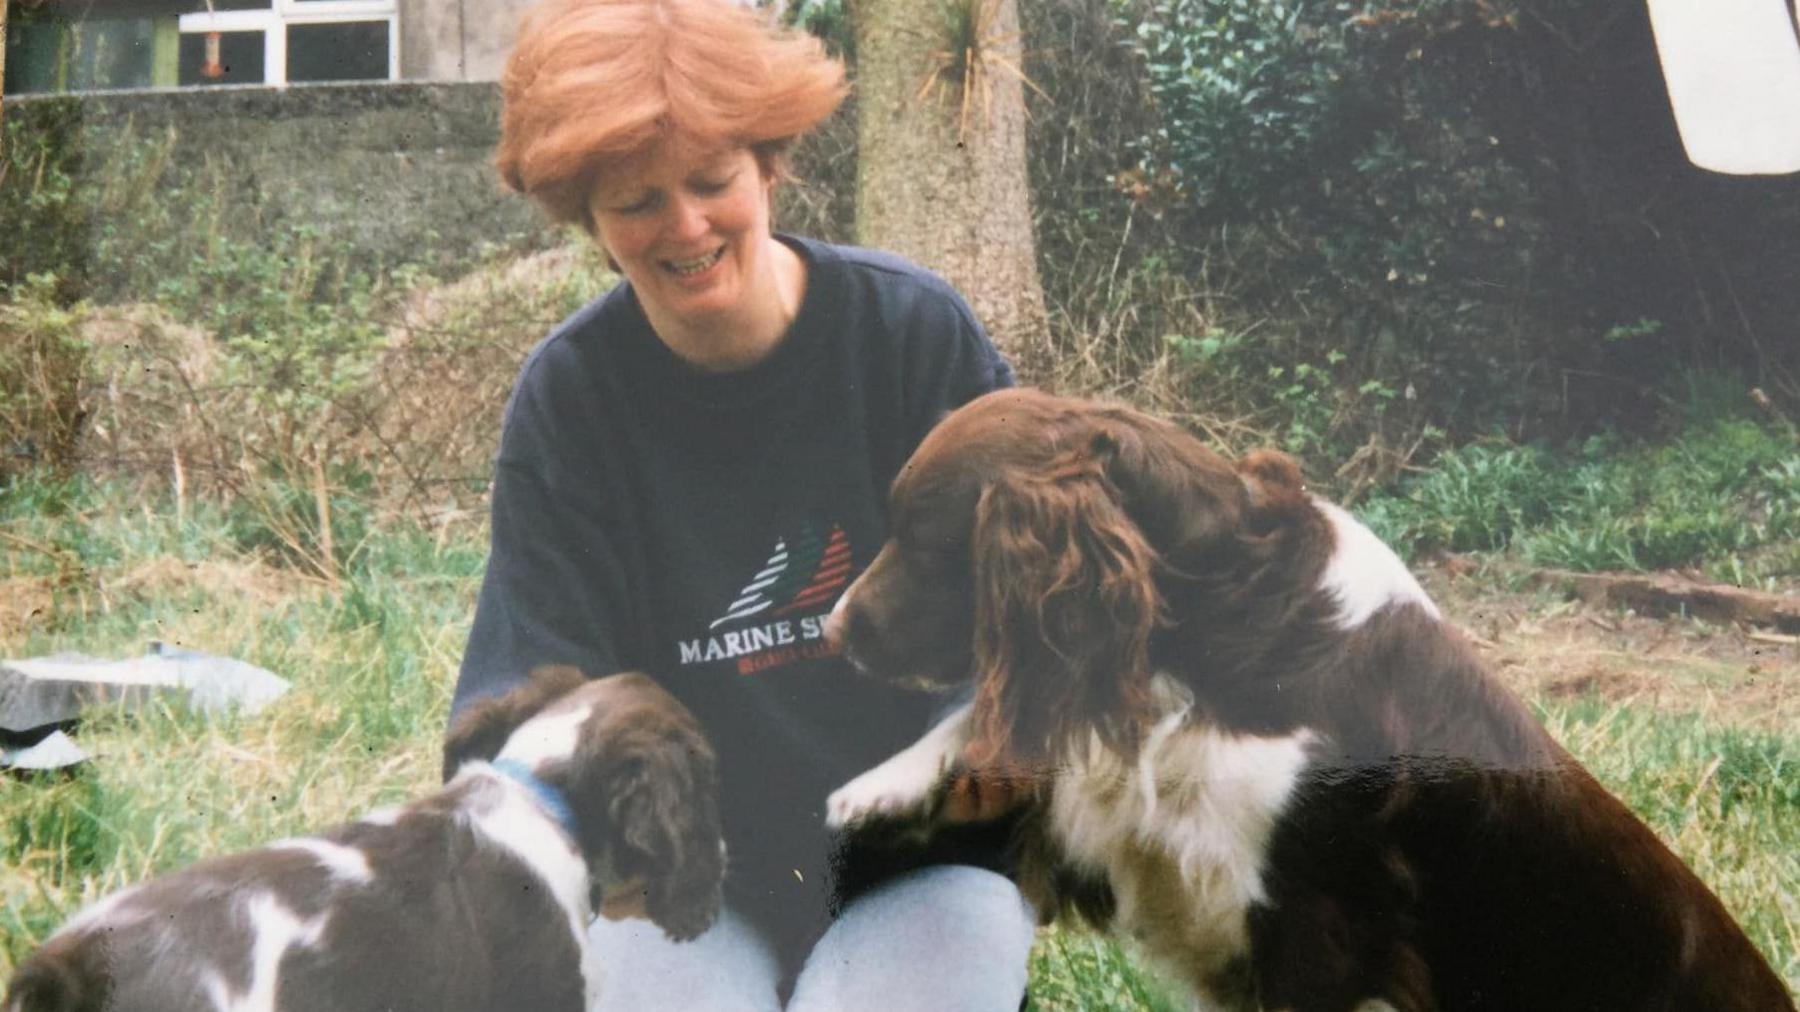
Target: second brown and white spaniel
(1258, 747)
(566, 797)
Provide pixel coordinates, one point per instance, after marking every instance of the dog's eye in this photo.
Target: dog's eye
(934, 553)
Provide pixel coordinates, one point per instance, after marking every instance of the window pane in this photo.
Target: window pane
(240, 59)
(34, 44)
(113, 53)
(341, 51)
(199, 7)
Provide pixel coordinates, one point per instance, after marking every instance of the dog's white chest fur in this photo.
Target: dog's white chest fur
(1181, 834)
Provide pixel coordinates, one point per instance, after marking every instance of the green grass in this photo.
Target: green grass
(1726, 800)
(372, 660)
(1723, 496)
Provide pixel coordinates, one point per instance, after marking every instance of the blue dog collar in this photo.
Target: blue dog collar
(554, 800)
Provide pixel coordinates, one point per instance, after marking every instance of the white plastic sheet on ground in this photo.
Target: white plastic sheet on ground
(42, 693)
(54, 752)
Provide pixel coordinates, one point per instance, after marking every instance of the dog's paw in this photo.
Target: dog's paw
(906, 785)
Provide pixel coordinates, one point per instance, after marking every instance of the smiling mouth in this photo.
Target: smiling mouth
(689, 268)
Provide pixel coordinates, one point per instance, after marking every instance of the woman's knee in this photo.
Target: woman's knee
(729, 968)
(949, 938)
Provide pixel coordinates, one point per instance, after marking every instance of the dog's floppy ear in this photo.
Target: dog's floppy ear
(1182, 495)
(649, 792)
(1065, 603)
(73, 975)
(1276, 489)
(481, 730)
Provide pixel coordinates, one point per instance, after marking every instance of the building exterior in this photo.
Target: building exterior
(81, 45)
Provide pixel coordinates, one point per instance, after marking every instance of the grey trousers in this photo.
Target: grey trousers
(948, 938)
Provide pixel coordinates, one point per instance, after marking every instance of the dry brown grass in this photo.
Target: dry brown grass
(164, 405)
(432, 416)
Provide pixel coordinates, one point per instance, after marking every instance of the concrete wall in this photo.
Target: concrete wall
(457, 40)
(399, 171)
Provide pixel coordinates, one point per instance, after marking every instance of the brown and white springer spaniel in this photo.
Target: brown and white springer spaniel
(600, 794)
(1257, 746)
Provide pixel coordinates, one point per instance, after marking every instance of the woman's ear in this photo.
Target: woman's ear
(1065, 603)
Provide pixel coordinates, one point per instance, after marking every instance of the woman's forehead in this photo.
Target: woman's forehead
(675, 157)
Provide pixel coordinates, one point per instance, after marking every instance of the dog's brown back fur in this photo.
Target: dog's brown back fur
(445, 920)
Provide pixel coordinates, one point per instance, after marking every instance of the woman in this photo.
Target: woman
(694, 466)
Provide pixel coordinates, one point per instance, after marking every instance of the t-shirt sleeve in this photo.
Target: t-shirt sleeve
(554, 588)
(952, 360)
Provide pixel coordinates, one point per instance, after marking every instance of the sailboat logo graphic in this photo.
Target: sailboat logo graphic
(803, 574)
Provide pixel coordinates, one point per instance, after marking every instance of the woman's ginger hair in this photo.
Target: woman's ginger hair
(592, 83)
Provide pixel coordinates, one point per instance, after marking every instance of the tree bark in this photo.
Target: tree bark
(4, 4)
(946, 188)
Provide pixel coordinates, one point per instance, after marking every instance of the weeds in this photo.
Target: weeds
(41, 367)
(1723, 496)
(1727, 801)
(372, 663)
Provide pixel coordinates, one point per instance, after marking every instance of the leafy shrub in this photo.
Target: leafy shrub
(312, 383)
(1474, 499)
(1723, 489)
(1481, 203)
(1248, 94)
(46, 229)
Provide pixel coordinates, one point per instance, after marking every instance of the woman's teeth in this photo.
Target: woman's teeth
(688, 268)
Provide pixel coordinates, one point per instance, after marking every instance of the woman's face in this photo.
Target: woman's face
(689, 226)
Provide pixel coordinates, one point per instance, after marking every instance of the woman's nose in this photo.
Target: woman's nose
(688, 218)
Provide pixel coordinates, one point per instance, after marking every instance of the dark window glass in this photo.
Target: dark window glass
(49, 52)
(34, 47)
(231, 5)
(240, 59)
(340, 51)
(112, 53)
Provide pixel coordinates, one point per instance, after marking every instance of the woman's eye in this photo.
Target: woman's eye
(637, 205)
(714, 186)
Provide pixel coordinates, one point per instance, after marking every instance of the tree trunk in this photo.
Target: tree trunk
(943, 181)
(4, 4)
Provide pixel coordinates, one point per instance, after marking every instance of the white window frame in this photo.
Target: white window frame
(274, 21)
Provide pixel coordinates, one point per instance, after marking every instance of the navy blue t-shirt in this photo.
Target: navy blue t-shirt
(699, 526)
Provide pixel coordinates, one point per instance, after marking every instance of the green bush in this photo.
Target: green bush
(1474, 499)
(1249, 93)
(1724, 491)
(1481, 203)
(46, 220)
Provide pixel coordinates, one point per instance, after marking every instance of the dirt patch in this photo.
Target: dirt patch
(1547, 647)
(24, 602)
(48, 602)
(432, 421)
(245, 579)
